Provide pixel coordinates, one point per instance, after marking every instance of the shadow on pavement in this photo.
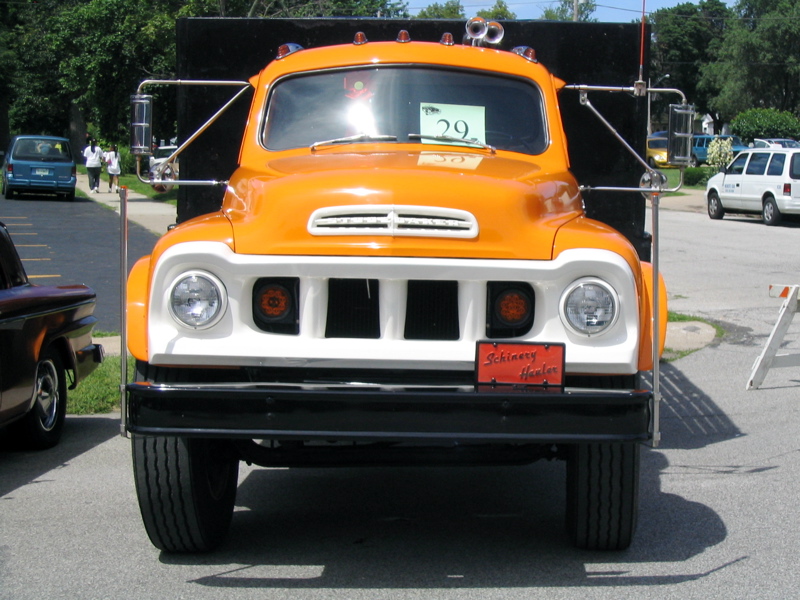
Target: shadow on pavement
(464, 528)
(81, 434)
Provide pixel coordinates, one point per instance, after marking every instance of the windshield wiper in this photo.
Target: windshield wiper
(359, 137)
(451, 139)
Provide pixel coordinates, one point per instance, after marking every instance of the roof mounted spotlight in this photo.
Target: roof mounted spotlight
(360, 39)
(403, 37)
(526, 52)
(483, 32)
(285, 50)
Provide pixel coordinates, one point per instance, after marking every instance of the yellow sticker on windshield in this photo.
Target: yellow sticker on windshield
(452, 120)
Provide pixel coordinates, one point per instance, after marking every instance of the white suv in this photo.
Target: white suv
(759, 180)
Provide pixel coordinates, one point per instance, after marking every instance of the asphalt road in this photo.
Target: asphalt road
(717, 498)
(63, 243)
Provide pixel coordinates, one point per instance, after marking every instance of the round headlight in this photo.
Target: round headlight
(197, 300)
(589, 306)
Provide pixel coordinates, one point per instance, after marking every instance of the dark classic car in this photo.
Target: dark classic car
(45, 335)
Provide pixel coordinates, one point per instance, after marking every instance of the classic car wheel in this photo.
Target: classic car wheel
(602, 495)
(186, 489)
(715, 208)
(770, 213)
(41, 428)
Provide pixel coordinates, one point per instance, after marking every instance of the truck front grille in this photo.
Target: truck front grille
(353, 309)
(431, 309)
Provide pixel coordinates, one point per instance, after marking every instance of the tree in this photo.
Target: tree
(685, 38)
(498, 12)
(451, 9)
(758, 62)
(327, 8)
(565, 11)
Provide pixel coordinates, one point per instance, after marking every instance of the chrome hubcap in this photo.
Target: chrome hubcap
(47, 395)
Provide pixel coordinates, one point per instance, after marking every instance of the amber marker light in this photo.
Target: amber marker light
(275, 302)
(403, 36)
(513, 307)
(360, 38)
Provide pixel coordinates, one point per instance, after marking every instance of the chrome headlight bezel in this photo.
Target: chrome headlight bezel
(573, 292)
(216, 288)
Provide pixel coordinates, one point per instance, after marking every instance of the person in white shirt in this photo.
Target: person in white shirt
(94, 164)
(112, 160)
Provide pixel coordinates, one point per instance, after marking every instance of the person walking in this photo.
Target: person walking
(114, 169)
(94, 164)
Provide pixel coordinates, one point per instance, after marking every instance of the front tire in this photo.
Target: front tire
(770, 213)
(715, 209)
(186, 487)
(186, 490)
(602, 495)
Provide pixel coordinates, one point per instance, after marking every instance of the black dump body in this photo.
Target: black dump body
(581, 53)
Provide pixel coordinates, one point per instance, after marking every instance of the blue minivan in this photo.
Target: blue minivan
(700, 147)
(39, 164)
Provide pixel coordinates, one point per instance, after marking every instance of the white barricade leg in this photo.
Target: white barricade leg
(769, 356)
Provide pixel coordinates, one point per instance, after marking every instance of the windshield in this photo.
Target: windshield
(42, 149)
(418, 105)
(657, 144)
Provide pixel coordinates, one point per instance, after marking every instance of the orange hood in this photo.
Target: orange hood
(518, 205)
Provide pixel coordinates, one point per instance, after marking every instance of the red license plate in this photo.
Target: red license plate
(520, 363)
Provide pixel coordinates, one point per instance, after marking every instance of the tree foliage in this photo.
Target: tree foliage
(565, 11)
(767, 123)
(451, 9)
(499, 12)
(685, 38)
(757, 64)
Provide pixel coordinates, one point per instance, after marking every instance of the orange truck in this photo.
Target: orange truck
(401, 272)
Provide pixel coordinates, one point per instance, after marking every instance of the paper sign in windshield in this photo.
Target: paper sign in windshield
(452, 120)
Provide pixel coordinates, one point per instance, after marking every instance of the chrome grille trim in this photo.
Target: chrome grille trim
(393, 220)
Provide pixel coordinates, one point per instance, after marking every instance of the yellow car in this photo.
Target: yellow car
(657, 152)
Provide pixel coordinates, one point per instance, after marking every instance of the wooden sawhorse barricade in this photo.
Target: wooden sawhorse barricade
(770, 358)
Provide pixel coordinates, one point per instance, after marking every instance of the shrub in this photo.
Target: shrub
(765, 123)
(720, 152)
(697, 175)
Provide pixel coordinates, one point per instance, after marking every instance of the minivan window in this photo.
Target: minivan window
(43, 150)
(776, 164)
(758, 163)
(737, 166)
(794, 171)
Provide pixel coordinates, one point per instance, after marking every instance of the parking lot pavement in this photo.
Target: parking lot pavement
(151, 214)
(687, 200)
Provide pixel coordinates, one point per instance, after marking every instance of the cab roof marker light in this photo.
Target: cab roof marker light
(285, 50)
(360, 39)
(526, 52)
(447, 39)
(403, 37)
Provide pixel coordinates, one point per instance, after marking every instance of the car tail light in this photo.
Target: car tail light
(787, 189)
(275, 305)
(510, 309)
